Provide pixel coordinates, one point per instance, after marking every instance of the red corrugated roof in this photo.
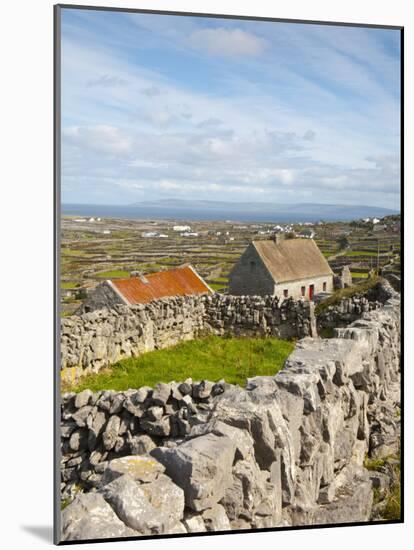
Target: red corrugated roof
(182, 281)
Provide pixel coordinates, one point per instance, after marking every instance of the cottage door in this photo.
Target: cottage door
(311, 291)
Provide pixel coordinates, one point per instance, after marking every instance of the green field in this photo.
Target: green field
(212, 358)
(360, 253)
(89, 255)
(217, 286)
(113, 274)
(75, 253)
(359, 275)
(68, 284)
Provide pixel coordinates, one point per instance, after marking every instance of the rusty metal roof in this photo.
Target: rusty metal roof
(182, 281)
(293, 259)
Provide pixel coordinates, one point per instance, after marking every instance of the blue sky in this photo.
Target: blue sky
(157, 106)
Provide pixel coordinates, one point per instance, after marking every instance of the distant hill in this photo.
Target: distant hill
(259, 211)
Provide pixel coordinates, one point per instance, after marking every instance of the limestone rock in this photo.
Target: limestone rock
(83, 398)
(110, 434)
(215, 519)
(201, 467)
(141, 444)
(133, 507)
(353, 503)
(139, 468)
(241, 438)
(194, 523)
(161, 394)
(81, 415)
(160, 427)
(202, 390)
(166, 497)
(89, 516)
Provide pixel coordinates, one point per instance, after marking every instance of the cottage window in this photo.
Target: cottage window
(324, 287)
(303, 290)
(252, 266)
(286, 293)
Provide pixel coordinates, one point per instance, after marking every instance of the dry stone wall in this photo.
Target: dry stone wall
(354, 307)
(194, 457)
(94, 340)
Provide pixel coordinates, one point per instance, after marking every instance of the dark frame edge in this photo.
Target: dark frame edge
(56, 268)
(402, 289)
(227, 16)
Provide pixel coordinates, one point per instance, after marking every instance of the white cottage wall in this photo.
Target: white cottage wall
(294, 288)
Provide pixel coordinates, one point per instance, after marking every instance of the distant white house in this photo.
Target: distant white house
(375, 220)
(282, 229)
(307, 234)
(181, 228)
(149, 234)
(162, 236)
(189, 234)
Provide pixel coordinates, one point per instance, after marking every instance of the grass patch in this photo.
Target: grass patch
(389, 500)
(67, 285)
(66, 314)
(338, 295)
(76, 253)
(211, 358)
(392, 508)
(360, 253)
(221, 280)
(112, 274)
(64, 503)
(359, 275)
(374, 464)
(216, 286)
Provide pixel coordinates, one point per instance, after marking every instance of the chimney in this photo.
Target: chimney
(139, 275)
(278, 238)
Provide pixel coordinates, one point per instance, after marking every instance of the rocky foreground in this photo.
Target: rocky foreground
(285, 450)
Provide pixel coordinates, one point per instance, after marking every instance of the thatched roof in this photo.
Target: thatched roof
(292, 259)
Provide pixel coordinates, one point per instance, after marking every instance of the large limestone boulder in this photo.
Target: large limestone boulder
(352, 502)
(133, 507)
(258, 412)
(201, 467)
(166, 497)
(89, 516)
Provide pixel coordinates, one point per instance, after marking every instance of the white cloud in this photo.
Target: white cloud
(166, 136)
(227, 42)
(100, 138)
(151, 91)
(309, 135)
(107, 81)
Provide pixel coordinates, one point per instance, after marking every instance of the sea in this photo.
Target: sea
(263, 214)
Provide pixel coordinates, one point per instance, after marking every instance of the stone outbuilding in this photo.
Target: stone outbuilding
(142, 289)
(291, 268)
